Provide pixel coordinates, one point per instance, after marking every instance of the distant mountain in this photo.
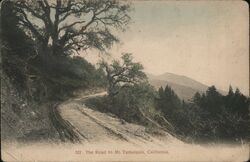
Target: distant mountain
(183, 86)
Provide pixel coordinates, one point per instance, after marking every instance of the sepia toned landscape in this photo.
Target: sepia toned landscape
(114, 80)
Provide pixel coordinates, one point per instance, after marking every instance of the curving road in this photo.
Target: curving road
(78, 123)
(90, 126)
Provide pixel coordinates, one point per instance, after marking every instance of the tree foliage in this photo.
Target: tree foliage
(122, 74)
(40, 75)
(16, 48)
(72, 25)
(210, 116)
(168, 101)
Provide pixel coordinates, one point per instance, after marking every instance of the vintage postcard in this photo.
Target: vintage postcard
(124, 80)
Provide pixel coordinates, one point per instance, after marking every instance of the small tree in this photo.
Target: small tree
(122, 74)
(230, 91)
(213, 100)
(168, 102)
(196, 98)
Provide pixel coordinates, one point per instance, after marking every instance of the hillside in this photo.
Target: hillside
(23, 119)
(183, 86)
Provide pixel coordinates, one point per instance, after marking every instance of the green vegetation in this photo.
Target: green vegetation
(39, 44)
(122, 74)
(42, 76)
(128, 91)
(130, 96)
(90, 25)
(209, 117)
(40, 59)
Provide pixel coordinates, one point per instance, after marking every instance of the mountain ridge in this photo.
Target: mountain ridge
(185, 87)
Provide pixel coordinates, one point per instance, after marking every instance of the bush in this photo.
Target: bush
(133, 103)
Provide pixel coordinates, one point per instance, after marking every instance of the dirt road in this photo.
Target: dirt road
(96, 127)
(100, 132)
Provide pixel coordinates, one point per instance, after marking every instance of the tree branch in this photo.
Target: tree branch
(30, 25)
(71, 25)
(32, 11)
(94, 19)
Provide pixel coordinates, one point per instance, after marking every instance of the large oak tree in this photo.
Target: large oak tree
(68, 26)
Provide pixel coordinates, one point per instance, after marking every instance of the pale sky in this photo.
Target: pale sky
(206, 41)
